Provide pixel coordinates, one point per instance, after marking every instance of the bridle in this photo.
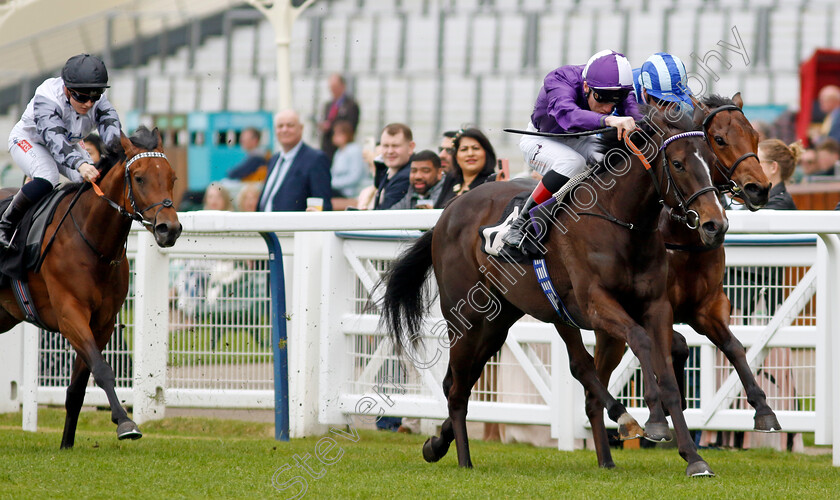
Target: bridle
(136, 214)
(685, 215)
(723, 169)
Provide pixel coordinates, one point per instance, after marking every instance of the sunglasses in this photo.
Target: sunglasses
(613, 96)
(82, 98)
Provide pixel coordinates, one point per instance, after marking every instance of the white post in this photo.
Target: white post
(832, 389)
(151, 339)
(303, 335)
(563, 403)
(282, 15)
(336, 285)
(29, 391)
(11, 377)
(823, 431)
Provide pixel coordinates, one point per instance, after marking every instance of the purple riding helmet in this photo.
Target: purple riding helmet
(609, 75)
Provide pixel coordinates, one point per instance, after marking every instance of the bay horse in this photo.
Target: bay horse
(609, 271)
(695, 275)
(83, 279)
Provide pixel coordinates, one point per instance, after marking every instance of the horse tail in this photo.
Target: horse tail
(406, 290)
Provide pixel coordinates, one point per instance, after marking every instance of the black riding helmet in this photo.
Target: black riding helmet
(85, 71)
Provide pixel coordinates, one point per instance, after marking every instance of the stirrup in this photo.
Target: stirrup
(515, 235)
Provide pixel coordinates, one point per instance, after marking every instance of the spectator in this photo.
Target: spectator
(424, 181)
(392, 171)
(217, 197)
(253, 167)
(445, 151)
(341, 107)
(369, 154)
(297, 172)
(473, 164)
(828, 158)
(829, 100)
(93, 145)
(778, 162)
(248, 198)
(349, 172)
(807, 165)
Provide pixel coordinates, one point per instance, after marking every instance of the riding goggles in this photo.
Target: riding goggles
(614, 96)
(90, 95)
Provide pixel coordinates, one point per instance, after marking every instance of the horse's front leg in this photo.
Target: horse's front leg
(74, 324)
(74, 401)
(658, 320)
(609, 317)
(712, 320)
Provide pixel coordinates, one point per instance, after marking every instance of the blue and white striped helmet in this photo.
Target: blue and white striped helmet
(663, 77)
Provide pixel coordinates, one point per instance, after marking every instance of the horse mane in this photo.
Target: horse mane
(716, 101)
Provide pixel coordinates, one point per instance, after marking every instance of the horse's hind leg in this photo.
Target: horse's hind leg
(435, 447)
(73, 402)
(713, 321)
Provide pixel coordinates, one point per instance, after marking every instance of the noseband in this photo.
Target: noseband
(136, 214)
(726, 171)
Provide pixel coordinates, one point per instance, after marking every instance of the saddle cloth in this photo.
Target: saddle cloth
(15, 264)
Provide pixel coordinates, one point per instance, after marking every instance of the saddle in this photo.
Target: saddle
(529, 253)
(15, 264)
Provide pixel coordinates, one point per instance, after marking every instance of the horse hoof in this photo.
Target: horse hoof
(699, 469)
(628, 428)
(429, 454)
(767, 423)
(128, 430)
(608, 465)
(657, 432)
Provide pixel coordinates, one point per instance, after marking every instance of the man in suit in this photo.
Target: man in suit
(341, 107)
(393, 168)
(297, 172)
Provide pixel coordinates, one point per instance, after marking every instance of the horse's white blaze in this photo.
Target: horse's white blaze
(708, 176)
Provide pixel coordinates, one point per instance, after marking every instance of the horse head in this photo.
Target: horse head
(687, 188)
(149, 180)
(734, 142)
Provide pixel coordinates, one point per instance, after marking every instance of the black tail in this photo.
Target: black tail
(406, 292)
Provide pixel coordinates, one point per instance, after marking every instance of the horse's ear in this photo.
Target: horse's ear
(159, 139)
(700, 112)
(737, 100)
(128, 147)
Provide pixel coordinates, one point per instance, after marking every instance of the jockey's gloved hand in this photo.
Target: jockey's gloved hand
(89, 172)
(624, 124)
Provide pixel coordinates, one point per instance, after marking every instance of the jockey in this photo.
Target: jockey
(574, 99)
(48, 138)
(661, 80)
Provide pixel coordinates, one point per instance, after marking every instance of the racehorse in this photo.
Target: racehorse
(83, 279)
(609, 271)
(695, 276)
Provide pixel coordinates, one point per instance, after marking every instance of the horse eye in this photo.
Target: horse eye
(678, 165)
(138, 179)
(719, 140)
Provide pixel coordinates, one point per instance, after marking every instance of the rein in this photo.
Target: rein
(135, 215)
(550, 134)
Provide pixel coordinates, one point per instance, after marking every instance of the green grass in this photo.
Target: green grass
(196, 457)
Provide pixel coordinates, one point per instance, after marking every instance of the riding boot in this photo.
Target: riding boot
(11, 217)
(550, 184)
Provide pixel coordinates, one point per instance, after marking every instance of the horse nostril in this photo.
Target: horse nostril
(758, 195)
(162, 228)
(711, 228)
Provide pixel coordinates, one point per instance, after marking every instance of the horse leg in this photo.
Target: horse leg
(658, 319)
(73, 402)
(435, 447)
(679, 357)
(583, 368)
(713, 321)
(74, 326)
(610, 318)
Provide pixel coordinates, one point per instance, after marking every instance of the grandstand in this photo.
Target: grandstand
(435, 64)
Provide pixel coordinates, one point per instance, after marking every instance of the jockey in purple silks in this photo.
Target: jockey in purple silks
(574, 99)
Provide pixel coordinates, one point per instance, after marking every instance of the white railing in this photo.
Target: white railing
(338, 363)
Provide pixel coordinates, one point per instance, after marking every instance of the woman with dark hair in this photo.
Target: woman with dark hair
(473, 164)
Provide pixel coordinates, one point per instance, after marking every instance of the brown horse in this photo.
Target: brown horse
(609, 271)
(695, 277)
(83, 280)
